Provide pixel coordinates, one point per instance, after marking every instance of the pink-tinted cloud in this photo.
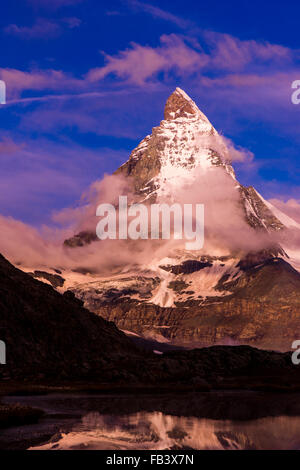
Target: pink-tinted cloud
(159, 13)
(8, 146)
(72, 22)
(291, 207)
(42, 28)
(226, 148)
(177, 56)
(250, 82)
(17, 81)
(139, 63)
(100, 113)
(263, 97)
(225, 227)
(231, 53)
(53, 4)
(39, 176)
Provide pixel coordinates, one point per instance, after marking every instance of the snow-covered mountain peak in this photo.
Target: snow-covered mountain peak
(182, 151)
(183, 144)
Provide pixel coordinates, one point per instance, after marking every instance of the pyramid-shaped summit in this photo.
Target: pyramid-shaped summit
(175, 153)
(179, 104)
(186, 141)
(166, 159)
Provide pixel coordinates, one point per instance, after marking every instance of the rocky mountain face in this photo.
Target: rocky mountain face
(198, 298)
(164, 160)
(52, 340)
(262, 309)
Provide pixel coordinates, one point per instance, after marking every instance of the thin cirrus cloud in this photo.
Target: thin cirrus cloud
(53, 4)
(38, 80)
(42, 28)
(97, 113)
(158, 13)
(231, 53)
(72, 22)
(229, 50)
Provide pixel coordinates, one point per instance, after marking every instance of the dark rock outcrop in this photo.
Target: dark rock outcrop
(55, 279)
(49, 334)
(187, 267)
(81, 239)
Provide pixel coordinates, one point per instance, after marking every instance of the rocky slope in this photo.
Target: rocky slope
(261, 309)
(51, 339)
(51, 335)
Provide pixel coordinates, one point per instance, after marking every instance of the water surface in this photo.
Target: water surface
(213, 420)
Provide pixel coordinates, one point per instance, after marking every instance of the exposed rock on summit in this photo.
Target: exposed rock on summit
(179, 104)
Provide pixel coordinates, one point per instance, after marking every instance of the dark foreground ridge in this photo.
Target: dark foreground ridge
(51, 339)
(51, 335)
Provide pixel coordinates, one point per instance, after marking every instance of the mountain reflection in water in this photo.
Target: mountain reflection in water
(157, 431)
(213, 420)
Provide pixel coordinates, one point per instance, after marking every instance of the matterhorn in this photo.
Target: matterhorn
(241, 288)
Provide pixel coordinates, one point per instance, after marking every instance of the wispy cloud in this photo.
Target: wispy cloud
(42, 28)
(139, 63)
(231, 53)
(237, 63)
(113, 13)
(38, 174)
(8, 146)
(53, 4)
(99, 113)
(40, 80)
(72, 22)
(291, 207)
(220, 71)
(183, 56)
(159, 13)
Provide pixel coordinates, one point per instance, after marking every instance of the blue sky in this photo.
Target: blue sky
(87, 80)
